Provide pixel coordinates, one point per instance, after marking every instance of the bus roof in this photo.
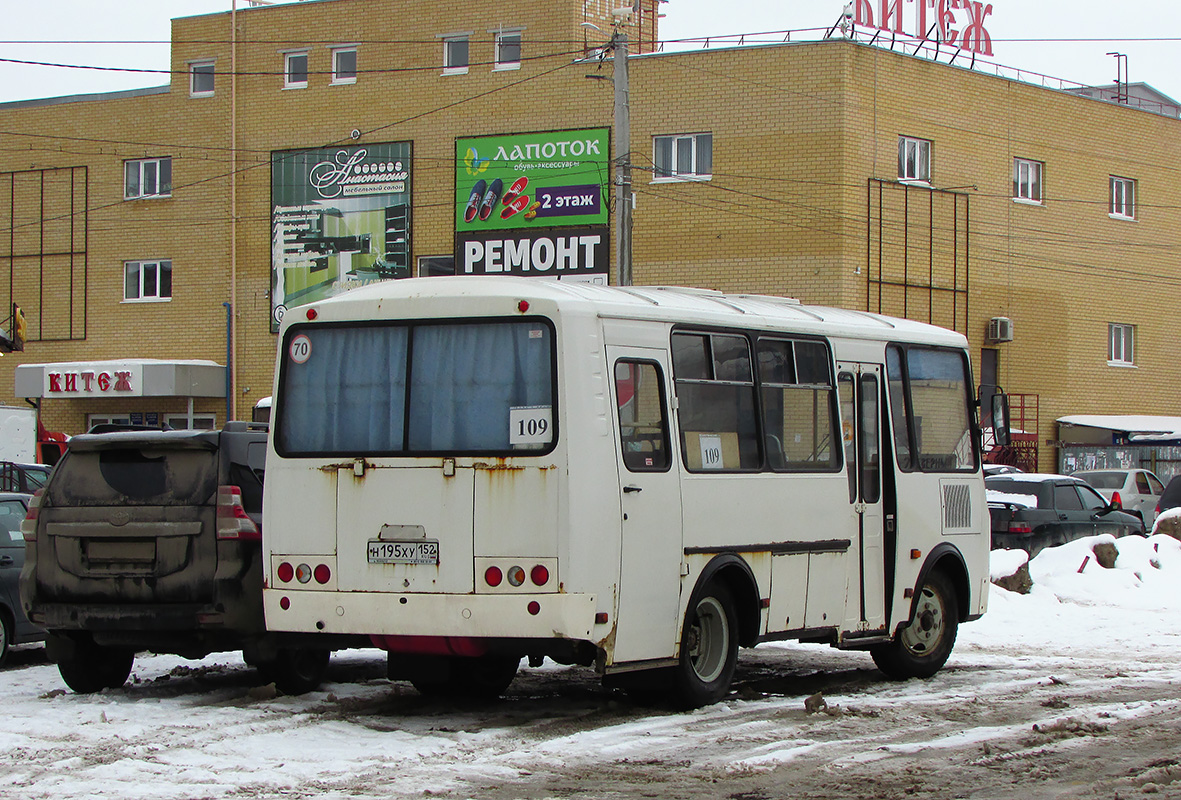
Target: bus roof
(461, 296)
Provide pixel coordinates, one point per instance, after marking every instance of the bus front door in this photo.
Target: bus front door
(859, 388)
(651, 545)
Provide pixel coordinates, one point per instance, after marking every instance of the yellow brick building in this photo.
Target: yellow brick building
(840, 173)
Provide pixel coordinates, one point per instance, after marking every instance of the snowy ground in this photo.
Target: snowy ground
(1072, 691)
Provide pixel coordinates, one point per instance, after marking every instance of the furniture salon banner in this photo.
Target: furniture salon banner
(340, 218)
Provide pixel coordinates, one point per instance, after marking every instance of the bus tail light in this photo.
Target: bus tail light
(285, 572)
(539, 575)
(232, 520)
(493, 576)
(516, 575)
(29, 524)
(303, 573)
(322, 574)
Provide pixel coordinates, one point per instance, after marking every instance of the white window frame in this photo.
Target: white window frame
(180, 421)
(287, 58)
(337, 79)
(1028, 176)
(107, 419)
(1121, 344)
(679, 170)
(424, 264)
(450, 39)
(1121, 198)
(143, 267)
(922, 149)
(145, 167)
(194, 66)
(500, 63)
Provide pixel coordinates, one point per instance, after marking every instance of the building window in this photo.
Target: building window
(432, 266)
(201, 422)
(344, 65)
(1121, 344)
(508, 50)
(149, 177)
(180, 422)
(1123, 198)
(683, 157)
(107, 419)
(914, 159)
(295, 71)
(455, 55)
(147, 280)
(1027, 180)
(201, 79)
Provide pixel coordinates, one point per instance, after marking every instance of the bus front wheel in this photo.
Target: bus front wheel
(922, 647)
(709, 648)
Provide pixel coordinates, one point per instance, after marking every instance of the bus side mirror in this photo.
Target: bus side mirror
(1000, 419)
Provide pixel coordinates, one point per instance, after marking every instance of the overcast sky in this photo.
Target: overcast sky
(1147, 31)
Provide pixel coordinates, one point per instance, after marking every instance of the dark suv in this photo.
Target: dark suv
(150, 540)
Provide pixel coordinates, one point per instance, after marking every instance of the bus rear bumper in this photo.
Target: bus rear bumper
(525, 616)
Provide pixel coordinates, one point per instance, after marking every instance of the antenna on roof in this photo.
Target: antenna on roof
(1121, 77)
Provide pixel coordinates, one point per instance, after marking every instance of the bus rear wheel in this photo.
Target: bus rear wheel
(296, 671)
(709, 649)
(478, 678)
(924, 645)
(92, 667)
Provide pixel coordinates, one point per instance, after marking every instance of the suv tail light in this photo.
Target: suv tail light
(1020, 527)
(29, 524)
(232, 520)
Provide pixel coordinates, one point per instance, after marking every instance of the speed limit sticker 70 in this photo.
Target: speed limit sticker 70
(300, 349)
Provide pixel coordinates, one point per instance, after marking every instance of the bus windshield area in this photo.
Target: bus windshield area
(416, 389)
(931, 401)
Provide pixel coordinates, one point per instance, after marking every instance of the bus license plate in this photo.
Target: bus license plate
(419, 551)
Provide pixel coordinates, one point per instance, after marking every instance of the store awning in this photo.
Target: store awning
(1118, 428)
(131, 377)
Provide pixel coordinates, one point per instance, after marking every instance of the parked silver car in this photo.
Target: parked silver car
(1137, 491)
(15, 627)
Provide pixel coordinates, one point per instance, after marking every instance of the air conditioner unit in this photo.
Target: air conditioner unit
(1000, 329)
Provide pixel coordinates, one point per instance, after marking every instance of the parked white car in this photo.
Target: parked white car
(1137, 491)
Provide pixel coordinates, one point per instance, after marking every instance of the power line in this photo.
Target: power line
(334, 143)
(279, 72)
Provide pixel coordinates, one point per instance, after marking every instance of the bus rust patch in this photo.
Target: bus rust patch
(501, 464)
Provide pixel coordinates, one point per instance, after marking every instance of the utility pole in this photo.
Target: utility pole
(623, 169)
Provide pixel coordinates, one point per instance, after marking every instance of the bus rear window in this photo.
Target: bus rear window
(371, 389)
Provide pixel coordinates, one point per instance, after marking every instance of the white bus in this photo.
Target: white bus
(475, 470)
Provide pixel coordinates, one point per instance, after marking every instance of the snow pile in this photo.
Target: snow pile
(1165, 517)
(1006, 562)
(1146, 574)
(996, 497)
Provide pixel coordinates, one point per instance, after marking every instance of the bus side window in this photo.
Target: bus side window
(643, 424)
(716, 392)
